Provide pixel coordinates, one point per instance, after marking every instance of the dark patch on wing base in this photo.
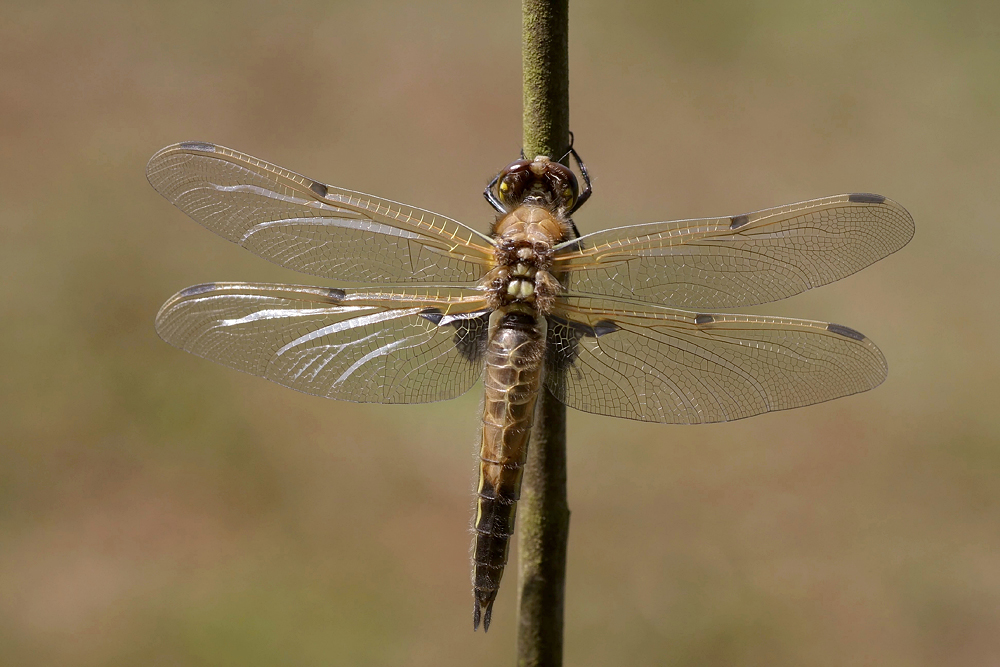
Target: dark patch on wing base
(337, 294)
(865, 198)
(564, 337)
(198, 146)
(845, 331)
(318, 188)
(197, 289)
(470, 337)
(561, 343)
(470, 331)
(738, 221)
(704, 319)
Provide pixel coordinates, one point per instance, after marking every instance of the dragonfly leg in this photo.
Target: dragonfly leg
(587, 189)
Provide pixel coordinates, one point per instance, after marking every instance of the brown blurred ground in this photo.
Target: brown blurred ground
(156, 509)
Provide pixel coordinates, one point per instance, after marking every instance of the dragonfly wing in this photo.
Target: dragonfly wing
(365, 345)
(650, 363)
(739, 260)
(315, 228)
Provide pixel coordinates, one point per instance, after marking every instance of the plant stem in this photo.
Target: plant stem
(543, 513)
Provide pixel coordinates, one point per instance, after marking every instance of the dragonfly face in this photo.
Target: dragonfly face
(615, 322)
(538, 182)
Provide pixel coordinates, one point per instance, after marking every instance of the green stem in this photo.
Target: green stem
(543, 513)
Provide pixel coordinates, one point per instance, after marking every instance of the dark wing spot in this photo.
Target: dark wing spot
(198, 146)
(318, 188)
(738, 221)
(865, 198)
(337, 294)
(845, 331)
(197, 289)
(432, 314)
(605, 327)
(704, 319)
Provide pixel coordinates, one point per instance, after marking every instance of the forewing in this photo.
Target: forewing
(315, 228)
(367, 346)
(740, 260)
(658, 364)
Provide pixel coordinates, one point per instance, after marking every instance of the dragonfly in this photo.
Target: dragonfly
(627, 322)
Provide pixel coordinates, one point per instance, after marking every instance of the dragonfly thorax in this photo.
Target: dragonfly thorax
(523, 258)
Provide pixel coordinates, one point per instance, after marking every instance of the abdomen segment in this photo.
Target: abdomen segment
(514, 358)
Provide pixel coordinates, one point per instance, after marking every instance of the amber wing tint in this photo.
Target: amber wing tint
(366, 345)
(315, 228)
(650, 363)
(739, 260)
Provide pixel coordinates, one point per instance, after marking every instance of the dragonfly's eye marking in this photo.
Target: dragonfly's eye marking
(845, 331)
(198, 146)
(704, 319)
(738, 221)
(337, 294)
(197, 289)
(865, 198)
(319, 188)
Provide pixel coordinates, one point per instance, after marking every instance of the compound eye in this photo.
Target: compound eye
(512, 181)
(563, 184)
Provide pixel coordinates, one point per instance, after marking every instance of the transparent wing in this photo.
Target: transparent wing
(315, 228)
(741, 260)
(367, 346)
(650, 363)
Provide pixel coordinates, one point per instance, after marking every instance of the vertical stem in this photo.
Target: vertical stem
(542, 532)
(545, 65)
(543, 513)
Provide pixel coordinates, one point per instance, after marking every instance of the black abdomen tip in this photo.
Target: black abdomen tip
(483, 609)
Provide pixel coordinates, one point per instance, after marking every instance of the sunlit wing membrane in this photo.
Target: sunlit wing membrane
(740, 260)
(366, 345)
(315, 228)
(650, 363)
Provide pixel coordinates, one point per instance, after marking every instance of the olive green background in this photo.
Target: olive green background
(156, 509)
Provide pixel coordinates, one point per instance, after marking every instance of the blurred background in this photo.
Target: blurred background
(157, 509)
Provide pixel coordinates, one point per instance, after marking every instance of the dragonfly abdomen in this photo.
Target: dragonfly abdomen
(514, 358)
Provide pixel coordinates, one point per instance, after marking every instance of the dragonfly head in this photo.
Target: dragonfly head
(538, 182)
